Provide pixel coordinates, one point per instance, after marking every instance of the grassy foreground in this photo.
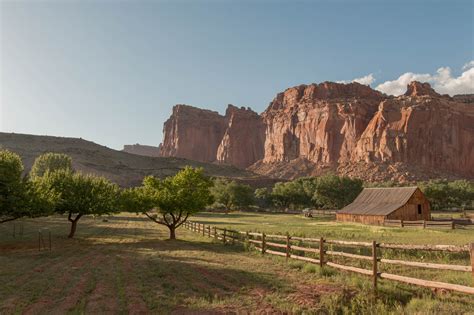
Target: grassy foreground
(125, 265)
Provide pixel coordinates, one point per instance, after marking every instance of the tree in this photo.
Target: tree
(263, 197)
(80, 195)
(50, 162)
(174, 199)
(291, 194)
(444, 194)
(19, 197)
(334, 192)
(232, 194)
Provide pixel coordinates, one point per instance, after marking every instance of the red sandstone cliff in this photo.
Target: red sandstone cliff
(348, 128)
(202, 135)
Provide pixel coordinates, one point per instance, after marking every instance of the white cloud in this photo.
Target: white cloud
(366, 80)
(442, 81)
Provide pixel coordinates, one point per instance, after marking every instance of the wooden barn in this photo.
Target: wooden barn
(374, 205)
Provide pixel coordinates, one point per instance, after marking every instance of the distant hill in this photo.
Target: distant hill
(124, 168)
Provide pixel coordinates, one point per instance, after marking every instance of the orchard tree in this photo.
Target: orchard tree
(232, 194)
(334, 192)
(80, 195)
(263, 197)
(20, 197)
(50, 162)
(174, 199)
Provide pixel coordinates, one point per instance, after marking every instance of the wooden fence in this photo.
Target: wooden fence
(450, 224)
(284, 246)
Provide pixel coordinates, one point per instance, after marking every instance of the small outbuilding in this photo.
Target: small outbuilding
(374, 205)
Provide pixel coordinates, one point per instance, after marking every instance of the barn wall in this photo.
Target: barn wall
(410, 210)
(366, 219)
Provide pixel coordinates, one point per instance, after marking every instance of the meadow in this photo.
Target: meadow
(124, 264)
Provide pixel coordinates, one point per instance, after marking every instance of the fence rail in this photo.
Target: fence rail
(269, 244)
(450, 224)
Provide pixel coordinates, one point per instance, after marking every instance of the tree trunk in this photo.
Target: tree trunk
(172, 232)
(73, 224)
(73, 229)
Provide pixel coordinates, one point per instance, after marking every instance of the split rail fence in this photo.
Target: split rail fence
(451, 224)
(284, 246)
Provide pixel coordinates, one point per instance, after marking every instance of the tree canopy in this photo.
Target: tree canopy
(173, 199)
(20, 197)
(232, 194)
(50, 162)
(79, 194)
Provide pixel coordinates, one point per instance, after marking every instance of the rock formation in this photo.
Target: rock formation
(242, 144)
(236, 138)
(348, 128)
(140, 149)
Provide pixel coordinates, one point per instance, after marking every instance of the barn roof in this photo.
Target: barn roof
(379, 201)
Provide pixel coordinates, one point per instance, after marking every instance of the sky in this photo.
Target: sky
(111, 71)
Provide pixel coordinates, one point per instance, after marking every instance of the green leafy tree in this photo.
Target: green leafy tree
(291, 194)
(444, 194)
(174, 199)
(334, 192)
(79, 195)
(263, 197)
(20, 197)
(232, 194)
(50, 162)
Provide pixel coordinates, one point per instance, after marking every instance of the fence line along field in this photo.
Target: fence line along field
(299, 247)
(123, 264)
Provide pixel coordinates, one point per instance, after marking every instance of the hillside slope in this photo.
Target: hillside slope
(121, 167)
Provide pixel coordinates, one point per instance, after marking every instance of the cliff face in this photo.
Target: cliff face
(242, 144)
(320, 123)
(196, 134)
(421, 128)
(348, 128)
(140, 149)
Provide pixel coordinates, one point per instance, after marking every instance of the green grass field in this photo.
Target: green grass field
(326, 226)
(126, 265)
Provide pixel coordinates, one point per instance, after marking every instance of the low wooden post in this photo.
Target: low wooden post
(424, 224)
(288, 246)
(263, 243)
(203, 229)
(452, 225)
(215, 233)
(471, 249)
(209, 231)
(374, 264)
(223, 237)
(321, 252)
(401, 223)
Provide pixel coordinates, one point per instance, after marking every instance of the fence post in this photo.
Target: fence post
(424, 224)
(209, 231)
(374, 263)
(203, 229)
(401, 223)
(321, 252)
(471, 248)
(223, 238)
(288, 246)
(215, 233)
(452, 225)
(263, 243)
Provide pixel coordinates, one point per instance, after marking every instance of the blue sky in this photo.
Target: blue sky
(110, 71)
